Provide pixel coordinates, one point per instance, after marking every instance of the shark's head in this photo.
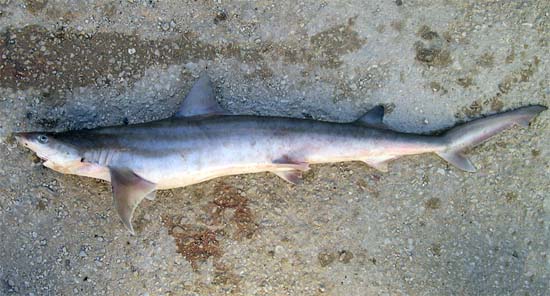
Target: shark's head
(57, 155)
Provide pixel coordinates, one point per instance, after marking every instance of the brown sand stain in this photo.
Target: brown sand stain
(364, 186)
(432, 50)
(507, 84)
(60, 60)
(325, 258)
(34, 6)
(510, 57)
(397, 25)
(325, 48)
(494, 104)
(486, 60)
(511, 197)
(230, 207)
(225, 277)
(426, 33)
(474, 109)
(465, 81)
(226, 216)
(433, 203)
(196, 244)
(523, 74)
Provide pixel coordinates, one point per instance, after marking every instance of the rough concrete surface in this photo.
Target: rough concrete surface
(424, 228)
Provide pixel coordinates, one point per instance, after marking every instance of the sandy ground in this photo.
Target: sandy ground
(424, 228)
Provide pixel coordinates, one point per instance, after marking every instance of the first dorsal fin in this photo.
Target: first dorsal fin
(373, 118)
(201, 100)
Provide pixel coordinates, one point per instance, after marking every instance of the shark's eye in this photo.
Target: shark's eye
(43, 139)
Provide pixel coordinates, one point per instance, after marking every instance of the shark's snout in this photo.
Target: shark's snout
(22, 138)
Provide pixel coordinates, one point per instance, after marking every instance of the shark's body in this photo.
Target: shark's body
(177, 152)
(200, 143)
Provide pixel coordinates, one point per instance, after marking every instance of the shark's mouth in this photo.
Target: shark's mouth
(43, 157)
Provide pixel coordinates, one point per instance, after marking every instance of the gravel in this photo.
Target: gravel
(422, 228)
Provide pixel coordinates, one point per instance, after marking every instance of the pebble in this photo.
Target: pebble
(279, 249)
(178, 230)
(131, 50)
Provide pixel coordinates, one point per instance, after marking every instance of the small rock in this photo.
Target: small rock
(177, 230)
(131, 50)
(345, 256)
(220, 16)
(279, 250)
(325, 259)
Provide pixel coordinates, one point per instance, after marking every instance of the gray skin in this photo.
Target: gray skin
(176, 152)
(200, 143)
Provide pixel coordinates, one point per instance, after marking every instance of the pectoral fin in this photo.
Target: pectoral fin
(286, 163)
(151, 196)
(129, 190)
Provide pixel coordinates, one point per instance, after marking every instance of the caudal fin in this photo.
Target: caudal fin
(475, 132)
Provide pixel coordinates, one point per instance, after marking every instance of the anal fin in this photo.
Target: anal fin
(129, 190)
(292, 177)
(379, 165)
(458, 159)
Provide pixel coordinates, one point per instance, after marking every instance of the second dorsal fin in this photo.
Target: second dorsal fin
(201, 100)
(373, 118)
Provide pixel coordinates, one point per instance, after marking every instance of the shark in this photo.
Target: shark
(202, 141)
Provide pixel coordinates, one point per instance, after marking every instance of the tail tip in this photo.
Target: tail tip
(536, 109)
(530, 113)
